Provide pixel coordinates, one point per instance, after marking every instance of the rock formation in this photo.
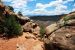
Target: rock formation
(27, 24)
(61, 36)
(28, 40)
(61, 23)
(32, 28)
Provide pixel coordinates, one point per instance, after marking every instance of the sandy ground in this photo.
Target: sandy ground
(21, 43)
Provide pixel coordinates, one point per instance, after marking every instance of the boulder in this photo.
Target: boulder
(36, 31)
(28, 27)
(71, 22)
(30, 36)
(61, 40)
(22, 19)
(51, 28)
(32, 28)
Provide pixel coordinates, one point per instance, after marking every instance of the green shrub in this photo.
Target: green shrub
(42, 31)
(1, 28)
(66, 18)
(12, 27)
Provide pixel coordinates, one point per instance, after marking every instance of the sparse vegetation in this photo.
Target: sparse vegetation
(9, 26)
(66, 18)
(1, 28)
(42, 31)
(12, 27)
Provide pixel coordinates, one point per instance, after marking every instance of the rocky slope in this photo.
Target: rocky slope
(27, 41)
(26, 23)
(61, 36)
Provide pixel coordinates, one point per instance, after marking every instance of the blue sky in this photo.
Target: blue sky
(42, 7)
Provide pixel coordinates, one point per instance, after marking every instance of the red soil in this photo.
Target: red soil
(11, 44)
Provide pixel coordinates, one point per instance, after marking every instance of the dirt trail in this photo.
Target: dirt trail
(21, 43)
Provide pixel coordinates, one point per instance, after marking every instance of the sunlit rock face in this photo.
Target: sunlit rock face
(66, 20)
(61, 38)
(32, 28)
(51, 28)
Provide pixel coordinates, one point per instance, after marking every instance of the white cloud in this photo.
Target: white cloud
(6, 0)
(18, 3)
(66, 1)
(21, 5)
(53, 3)
(60, 8)
(40, 5)
(73, 9)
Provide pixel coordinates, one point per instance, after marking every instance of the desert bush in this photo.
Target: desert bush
(42, 31)
(12, 27)
(73, 16)
(66, 18)
(1, 28)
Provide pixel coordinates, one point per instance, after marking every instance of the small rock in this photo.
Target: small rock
(20, 47)
(68, 35)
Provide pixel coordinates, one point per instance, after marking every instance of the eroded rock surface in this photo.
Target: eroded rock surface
(63, 39)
